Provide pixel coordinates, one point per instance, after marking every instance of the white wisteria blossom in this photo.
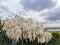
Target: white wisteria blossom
(18, 27)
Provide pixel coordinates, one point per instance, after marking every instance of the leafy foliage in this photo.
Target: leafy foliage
(56, 38)
(2, 33)
(4, 40)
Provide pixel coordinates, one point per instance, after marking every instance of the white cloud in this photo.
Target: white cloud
(15, 7)
(34, 15)
(58, 2)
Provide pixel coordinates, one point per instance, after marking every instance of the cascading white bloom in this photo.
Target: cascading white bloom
(48, 36)
(18, 27)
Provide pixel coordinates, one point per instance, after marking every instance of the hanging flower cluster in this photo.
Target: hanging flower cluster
(18, 27)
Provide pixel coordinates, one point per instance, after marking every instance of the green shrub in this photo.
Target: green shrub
(55, 39)
(4, 40)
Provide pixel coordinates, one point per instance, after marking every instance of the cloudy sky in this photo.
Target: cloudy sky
(39, 10)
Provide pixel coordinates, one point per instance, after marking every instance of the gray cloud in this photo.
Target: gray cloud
(37, 4)
(54, 15)
(0, 0)
(2, 7)
(4, 11)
